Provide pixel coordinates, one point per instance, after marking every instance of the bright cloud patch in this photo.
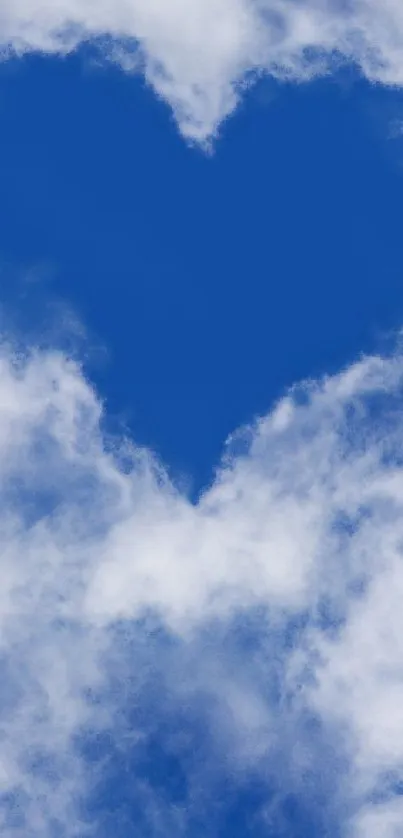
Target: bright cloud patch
(271, 610)
(198, 53)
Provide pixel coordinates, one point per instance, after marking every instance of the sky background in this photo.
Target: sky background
(157, 636)
(206, 284)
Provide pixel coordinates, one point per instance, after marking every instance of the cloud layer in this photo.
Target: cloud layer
(272, 607)
(198, 54)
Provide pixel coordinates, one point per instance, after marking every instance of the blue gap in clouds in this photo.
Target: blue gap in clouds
(212, 283)
(172, 782)
(150, 786)
(178, 777)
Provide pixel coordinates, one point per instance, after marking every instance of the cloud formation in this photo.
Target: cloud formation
(276, 598)
(199, 54)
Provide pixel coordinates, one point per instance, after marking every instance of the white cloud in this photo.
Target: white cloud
(197, 54)
(305, 527)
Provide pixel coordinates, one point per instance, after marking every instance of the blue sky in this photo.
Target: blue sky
(200, 419)
(209, 284)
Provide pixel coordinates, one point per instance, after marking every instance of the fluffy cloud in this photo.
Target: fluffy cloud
(198, 54)
(276, 598)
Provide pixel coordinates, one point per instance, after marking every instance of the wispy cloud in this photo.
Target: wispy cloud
(271, 609)
(198, 54)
